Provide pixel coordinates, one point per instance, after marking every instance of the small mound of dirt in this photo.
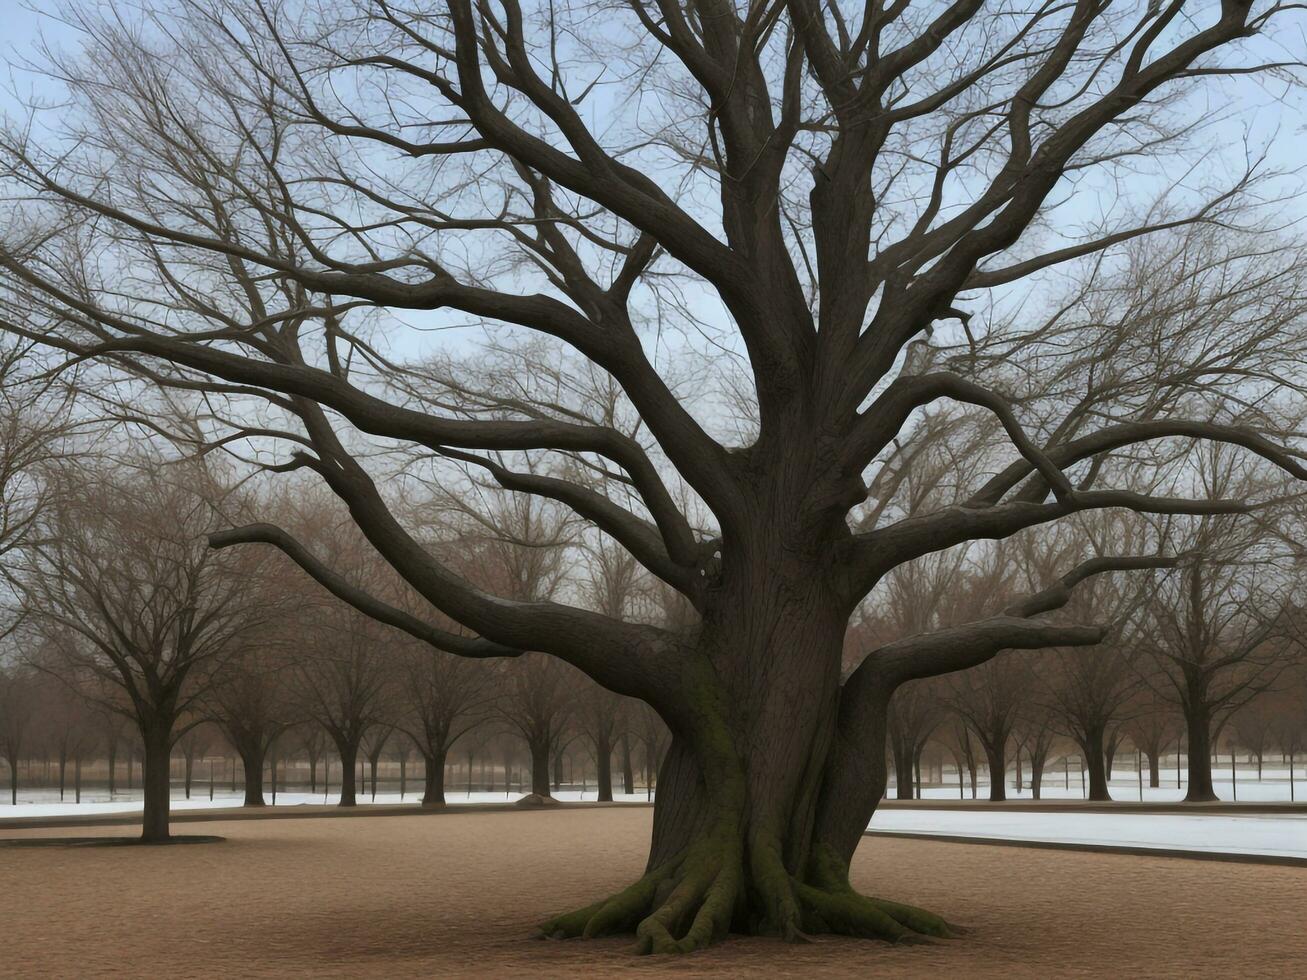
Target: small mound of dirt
(108, 841)
(535, 799)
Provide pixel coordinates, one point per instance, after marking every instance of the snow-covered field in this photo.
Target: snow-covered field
(1267, 834)
(45, 803)
(1271, 788)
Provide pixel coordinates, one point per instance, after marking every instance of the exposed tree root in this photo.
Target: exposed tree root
(690, 902)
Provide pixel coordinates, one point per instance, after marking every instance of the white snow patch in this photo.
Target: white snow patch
(1267, 834)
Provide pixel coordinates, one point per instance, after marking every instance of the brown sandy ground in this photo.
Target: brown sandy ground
(458, 895)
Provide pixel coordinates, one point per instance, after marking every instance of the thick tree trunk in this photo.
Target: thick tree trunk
(190, 762)
(252, 760)
(604, 766)
(13, 780)
(1154, 769)
(765, 791)
(313, 774)
(113, 764)
(157, 782)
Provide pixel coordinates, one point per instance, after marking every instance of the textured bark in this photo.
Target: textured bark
(765, 789)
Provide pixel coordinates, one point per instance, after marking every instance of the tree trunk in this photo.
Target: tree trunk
(766, 790)
(13, 780)
(190, 760)
(433, 791)
(628, 772)
(1096, 762)
(253, 757)
(558, 772)
(113, 763)
(313, 774)
(156, 779)
(902, 768)
(604, 766)
(997, 762)
(540, 767)
(1198, 728)
(348, 750)
(63, 768)
(1154, 769)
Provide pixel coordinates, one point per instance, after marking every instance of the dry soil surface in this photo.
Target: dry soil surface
(458, 895)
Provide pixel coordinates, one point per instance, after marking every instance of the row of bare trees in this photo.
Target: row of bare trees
(121, 610)
(1209, 650)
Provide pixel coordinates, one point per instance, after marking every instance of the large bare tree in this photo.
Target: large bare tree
(846, 199)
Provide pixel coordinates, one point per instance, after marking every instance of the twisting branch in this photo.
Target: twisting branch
(960, 647)
(364, 602)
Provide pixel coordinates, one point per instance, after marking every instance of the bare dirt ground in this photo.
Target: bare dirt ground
(458, 895)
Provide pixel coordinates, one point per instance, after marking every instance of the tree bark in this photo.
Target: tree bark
(766, 789)
(1154, 769)
(157, 782)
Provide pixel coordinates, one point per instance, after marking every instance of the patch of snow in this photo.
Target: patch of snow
(45, 803)
(1266, 834)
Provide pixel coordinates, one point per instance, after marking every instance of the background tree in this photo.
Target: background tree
(1220, 630)
(143, 613)
(1152, 728)
(252, 703)
(16, 707)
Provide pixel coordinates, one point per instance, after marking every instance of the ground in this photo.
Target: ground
(458, 894)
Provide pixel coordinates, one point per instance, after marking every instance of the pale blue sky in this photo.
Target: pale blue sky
(1254, 110)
